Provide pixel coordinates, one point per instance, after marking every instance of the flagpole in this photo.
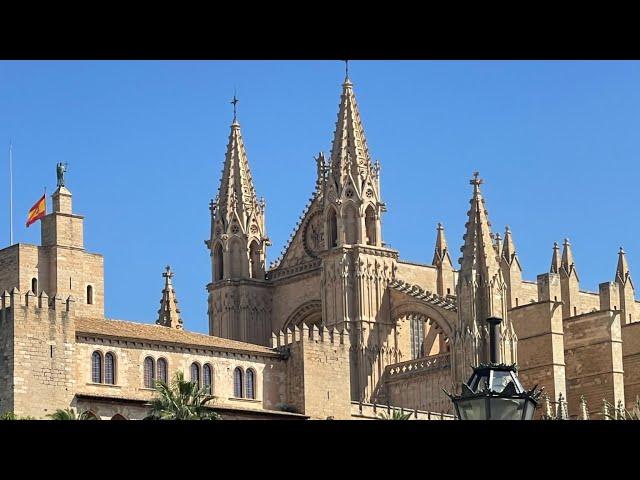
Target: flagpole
(10, 192)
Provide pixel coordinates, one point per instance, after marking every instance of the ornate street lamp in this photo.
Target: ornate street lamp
(494, 392)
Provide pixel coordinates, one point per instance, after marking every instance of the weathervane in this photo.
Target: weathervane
(346, 69)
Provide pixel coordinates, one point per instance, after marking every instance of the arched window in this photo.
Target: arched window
(251, 384)
(207, 375)
(89, 295)
(34, 286)
(237, 382)
(417, 337)
(218, 263)
(110, 368)
(118, 416)
(149, 373)
(256, 261)
(350, 226)
(332, 227)
(162, 370)
(96, 367)
(235, 258)
(370, 225)
(195, 374)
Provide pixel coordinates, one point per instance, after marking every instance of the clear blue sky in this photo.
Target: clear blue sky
(557, 144)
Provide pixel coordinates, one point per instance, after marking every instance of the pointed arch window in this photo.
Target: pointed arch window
(256, 261)
(34, 286)
(89, 295)
(332, 228)
(237, 382)
(417, 337)
(207, 378)
(370, 225)
(96, 367)
(162, 370)
(195, 374)
(350, 224)
(235, 258)
(218, 262)
(110, 368)
(251, 384)
(149, 372)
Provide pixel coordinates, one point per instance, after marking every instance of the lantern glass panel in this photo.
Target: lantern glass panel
(472, 409)
(529, 409)
(500, 379)
(507, 408)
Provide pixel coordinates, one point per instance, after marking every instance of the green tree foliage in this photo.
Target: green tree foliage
(69, 414)
(181, 400)
(395, 415)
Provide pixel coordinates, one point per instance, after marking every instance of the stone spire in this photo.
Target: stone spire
(605, 410)
(584, 411)
(498, 244)
(237, 201)
(548, 413)
(623, 275)
(349, 152)
(555, 259)
(562, 413)
(479, 258)
(626, 288)
(509, 248)
(567, 263)
(481, 293)
(169, 313)
(441, 253)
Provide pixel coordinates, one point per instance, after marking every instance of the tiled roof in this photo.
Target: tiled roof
(158, 333)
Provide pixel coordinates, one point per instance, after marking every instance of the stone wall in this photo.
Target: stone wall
(40, 341)
(631, 362)
(290, 294)
(593, 355)
(541, 361)
(422, 275)
(318, 373)
(418, 384)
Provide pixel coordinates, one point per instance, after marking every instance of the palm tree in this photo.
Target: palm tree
(181, 400)
(395, 415)
(69, 414)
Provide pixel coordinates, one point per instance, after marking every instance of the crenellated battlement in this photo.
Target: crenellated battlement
(12, 300)
(304, 333)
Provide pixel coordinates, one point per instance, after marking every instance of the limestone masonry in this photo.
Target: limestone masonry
(338, 326)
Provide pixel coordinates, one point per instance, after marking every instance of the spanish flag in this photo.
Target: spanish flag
(38, 211)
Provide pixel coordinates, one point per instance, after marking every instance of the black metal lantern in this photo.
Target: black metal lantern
(494, 392)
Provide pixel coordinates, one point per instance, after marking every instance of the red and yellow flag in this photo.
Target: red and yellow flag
(38, 211)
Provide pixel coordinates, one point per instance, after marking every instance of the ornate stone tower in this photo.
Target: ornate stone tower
(239, 306)
(356, 267)
(482, 293)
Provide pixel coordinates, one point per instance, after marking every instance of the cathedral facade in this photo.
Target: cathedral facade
(337, 327)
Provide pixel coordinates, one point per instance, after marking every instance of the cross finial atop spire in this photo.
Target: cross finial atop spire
(168, 273)
(476, 180)
(234, 102)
